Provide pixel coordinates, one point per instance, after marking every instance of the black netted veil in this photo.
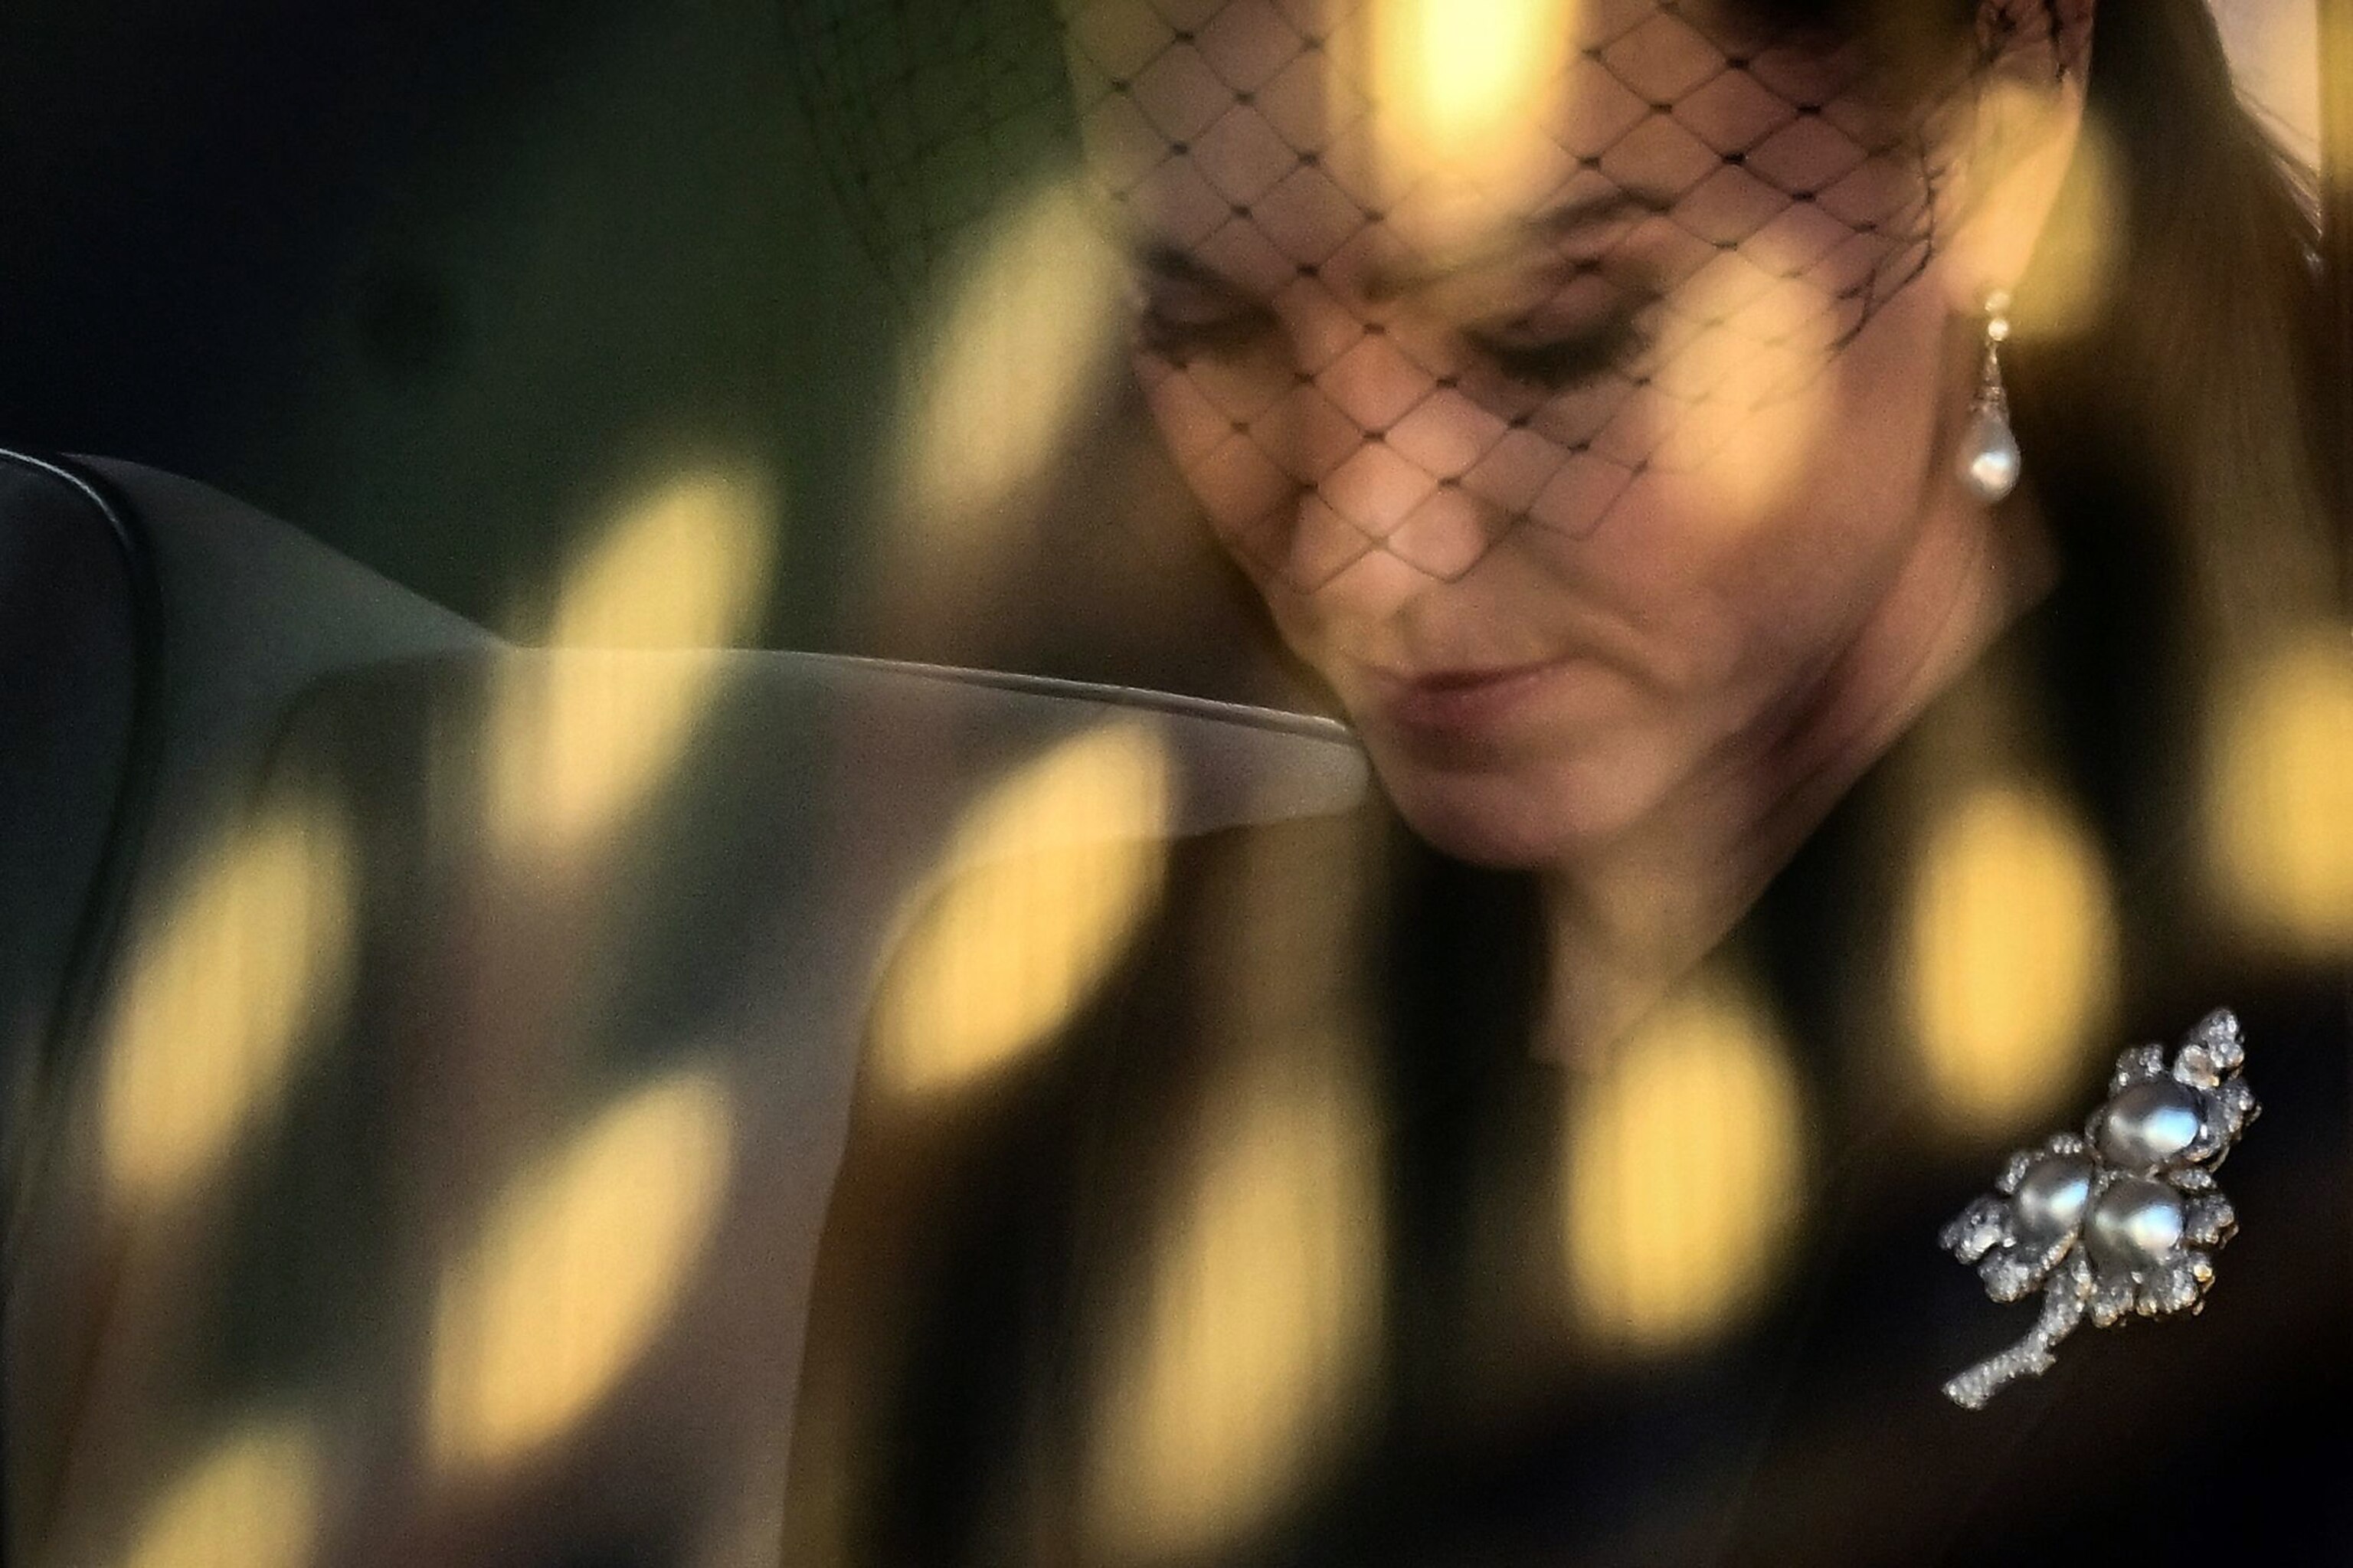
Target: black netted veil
(1786, 194)
(928, 114)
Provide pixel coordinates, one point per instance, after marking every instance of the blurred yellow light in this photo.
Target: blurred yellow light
(2281, 796)
(1260, 1319)
(253, 1502)
(244, 971)
(685, 565)
(1024, 339)
(2275, 53)
(1047, 879)
(2075, 253)
(2012, 956)
(1682, 1182)
(684, 571)
(1752, 405)
(574, 1270)
(1471, 88)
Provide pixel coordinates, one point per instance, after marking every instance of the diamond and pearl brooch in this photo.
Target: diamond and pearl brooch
(2125, 1219)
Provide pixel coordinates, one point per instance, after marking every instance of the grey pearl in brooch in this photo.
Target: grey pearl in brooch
(2134, 1225)
(2051, 1199)
(2148, 1126)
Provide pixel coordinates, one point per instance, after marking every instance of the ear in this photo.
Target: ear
(2013, 131)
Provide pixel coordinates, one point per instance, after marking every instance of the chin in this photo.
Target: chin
(1514, 818)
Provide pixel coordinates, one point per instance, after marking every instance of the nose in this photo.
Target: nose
(1378, 440)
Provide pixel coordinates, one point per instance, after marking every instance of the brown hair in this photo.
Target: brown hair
(2208, 371)
(2184, 416)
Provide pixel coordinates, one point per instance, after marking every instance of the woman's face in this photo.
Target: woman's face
(1571, 425)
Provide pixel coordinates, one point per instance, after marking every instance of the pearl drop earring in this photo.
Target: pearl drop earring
(1989, 460)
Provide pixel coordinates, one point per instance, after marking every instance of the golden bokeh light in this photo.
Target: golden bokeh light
(1751, 405)
(574, 1270)
(2076, 254)
(1681, 1183)
(1024, 341)
(1043, 883)
(1468, 91)
(2010, 956)
(682, 572)
(1261, 1317)
(2275, 53)
(252, 1502)
(247, 967)
(2281, 795)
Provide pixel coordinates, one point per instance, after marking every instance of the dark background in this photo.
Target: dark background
(428, 279)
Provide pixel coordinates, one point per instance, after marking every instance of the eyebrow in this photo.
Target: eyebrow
(1550, 227)
(1167, 260)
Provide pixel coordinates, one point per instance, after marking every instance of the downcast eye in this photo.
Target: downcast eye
(1554, 326)
(1185, 324)
(1557, 360)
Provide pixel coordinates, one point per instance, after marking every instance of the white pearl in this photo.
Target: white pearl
(1991, 464)
(2051, 1199)
(2148, 1124)
(2136, 1224)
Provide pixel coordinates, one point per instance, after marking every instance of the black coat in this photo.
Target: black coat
(990, 1267)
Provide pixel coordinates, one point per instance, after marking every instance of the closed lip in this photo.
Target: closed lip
(1461, 698)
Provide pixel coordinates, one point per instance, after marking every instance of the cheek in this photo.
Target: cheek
(1191, 424)
(1837, 533)
(1756, 541)
(1228, 472)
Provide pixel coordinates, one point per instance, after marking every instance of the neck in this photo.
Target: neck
(1628, 917)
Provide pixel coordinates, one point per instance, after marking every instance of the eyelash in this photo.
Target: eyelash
(1553, 363)
(1181, 341)
(1561, 360)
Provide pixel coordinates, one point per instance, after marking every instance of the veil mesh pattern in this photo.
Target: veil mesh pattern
(1783, 203)
(926, 113)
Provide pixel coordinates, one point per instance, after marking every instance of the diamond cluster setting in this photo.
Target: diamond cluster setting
(2122, 1219)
